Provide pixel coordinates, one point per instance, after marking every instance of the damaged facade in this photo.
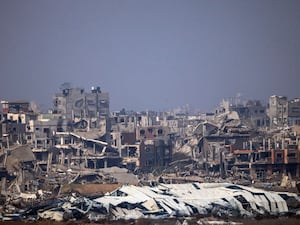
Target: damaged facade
(239, 142)
(81, 142)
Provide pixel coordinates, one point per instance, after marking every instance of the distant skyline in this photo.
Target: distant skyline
(155, 55)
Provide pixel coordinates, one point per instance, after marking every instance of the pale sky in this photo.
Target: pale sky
(156, 54)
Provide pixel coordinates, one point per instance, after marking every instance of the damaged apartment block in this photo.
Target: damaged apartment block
(81, 145)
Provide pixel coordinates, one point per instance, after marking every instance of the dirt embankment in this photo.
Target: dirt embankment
(89, 189)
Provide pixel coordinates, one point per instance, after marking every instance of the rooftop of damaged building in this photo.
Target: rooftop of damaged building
(223, 199)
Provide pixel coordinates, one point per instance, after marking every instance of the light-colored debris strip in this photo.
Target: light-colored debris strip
(165, 201)
(182, 200)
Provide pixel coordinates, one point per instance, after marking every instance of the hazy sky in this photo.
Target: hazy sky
(156, 54)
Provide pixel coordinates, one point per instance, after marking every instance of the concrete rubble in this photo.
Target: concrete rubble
(83, 161)
(223, 200)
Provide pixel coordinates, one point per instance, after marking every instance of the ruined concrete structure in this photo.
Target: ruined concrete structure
(244, 140)
(14, 121)
(284, 112)
(294, 112)
(229, 156)
(76, 103)
(278, 111)
(155, 153)
(252, 113)
(16, 107)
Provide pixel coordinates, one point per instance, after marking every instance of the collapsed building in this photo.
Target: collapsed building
(284, 112)
(79, 142)
(77, 136)
(223, 200)
(237, 142)
(190, 199)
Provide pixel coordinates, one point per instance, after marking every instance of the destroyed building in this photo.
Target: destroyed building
(84, 111)
(16, 107)
(236, 141)
(156, 147)
(284, 112)
(190, 199)
(278, 111)
(251, 113)
(294, 112)
(15, 118)
(132, 131)
(80, 142)
(165, 201)
(76, 103)
(55, 141)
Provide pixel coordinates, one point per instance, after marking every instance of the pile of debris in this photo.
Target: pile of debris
(166, 201)
(191, 199)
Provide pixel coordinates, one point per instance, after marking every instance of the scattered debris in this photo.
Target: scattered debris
(223, 200)
(287, 183)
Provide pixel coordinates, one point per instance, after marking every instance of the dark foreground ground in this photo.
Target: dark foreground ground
(194, 221)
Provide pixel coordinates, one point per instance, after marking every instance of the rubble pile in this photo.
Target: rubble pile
(190, 199)
(165, 201)
(60, 165)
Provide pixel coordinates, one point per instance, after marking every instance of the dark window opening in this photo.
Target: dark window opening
(150, 130)
(160, 132)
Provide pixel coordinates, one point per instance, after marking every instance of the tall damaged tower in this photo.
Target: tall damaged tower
(84, 110)
(75, 103)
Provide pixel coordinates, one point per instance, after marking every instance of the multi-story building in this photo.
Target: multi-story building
(15, 107)
(75, 103)
(294, 112)
(156, 147)
(278, 111)
(155, 153)
(121, 123)
(284, 112)
(15, 118)
(252, 113)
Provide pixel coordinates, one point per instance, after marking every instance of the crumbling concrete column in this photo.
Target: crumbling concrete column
(86, 161)
(252, 172)
(69, 160)
(3, 186)
(62, 160)
(49, 162)
(205, 150)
